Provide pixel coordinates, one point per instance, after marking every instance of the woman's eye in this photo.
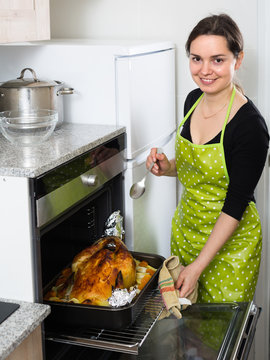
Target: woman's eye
(196, 58)
(218, 61)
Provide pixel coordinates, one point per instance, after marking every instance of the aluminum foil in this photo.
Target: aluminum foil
(114, 225)
(121, 297)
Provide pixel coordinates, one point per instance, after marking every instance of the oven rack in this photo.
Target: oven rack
(127, 340)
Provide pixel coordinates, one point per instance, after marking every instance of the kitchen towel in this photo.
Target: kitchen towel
(167, 277)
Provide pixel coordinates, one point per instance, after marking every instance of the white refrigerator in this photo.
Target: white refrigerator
(129, 83)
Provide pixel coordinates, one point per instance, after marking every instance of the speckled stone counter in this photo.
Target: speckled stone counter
(66, 143)
(20, 325)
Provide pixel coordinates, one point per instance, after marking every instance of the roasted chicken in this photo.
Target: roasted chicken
(95, 272)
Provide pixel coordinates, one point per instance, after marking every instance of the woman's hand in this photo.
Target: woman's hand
(187, 280)
(162, 165)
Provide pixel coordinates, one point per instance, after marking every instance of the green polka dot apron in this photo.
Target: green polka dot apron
(232, 274)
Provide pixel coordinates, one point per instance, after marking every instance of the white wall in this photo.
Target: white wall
(173, 20)
(156, 19)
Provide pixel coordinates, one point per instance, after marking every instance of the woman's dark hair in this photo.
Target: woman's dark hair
(222, 25)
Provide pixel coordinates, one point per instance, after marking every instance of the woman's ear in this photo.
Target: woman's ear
(239, 60)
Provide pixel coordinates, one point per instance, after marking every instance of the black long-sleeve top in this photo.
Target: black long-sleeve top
(245, 142)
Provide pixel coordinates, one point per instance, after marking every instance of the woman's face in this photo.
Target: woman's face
(212, 64)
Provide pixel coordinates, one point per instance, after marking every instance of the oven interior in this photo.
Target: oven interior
(78, 228)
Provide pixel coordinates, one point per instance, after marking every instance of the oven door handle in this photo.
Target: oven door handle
(89, 180)
(245, 339)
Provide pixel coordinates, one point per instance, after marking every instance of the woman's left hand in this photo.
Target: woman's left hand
(187, 280)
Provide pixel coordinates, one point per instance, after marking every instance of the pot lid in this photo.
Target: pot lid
(34, 82)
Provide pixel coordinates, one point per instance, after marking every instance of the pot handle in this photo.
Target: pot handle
(32, 72)
(65, 91)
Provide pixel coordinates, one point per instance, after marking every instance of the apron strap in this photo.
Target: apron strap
(227, 115)
(190, 110)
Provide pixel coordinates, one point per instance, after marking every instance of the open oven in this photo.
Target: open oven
(71, 205)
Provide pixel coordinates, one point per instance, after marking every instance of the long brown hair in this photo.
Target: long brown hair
(222, 25)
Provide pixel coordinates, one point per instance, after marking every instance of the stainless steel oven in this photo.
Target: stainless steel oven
(70, 206)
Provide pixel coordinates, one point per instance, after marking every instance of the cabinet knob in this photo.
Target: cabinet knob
(89, 180)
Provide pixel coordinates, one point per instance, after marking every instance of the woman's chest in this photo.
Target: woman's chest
(204, 129)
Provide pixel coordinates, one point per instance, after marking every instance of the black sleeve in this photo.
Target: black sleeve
(245, 152)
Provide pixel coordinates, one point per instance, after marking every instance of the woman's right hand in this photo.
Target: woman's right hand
(162, 165)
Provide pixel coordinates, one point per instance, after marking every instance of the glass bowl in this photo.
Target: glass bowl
(27, 128)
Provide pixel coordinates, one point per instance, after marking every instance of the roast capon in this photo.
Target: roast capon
(95, 272)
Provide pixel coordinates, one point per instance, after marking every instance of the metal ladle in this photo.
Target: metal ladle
(138, 189)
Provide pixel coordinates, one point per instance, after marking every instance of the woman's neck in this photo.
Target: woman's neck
(216, 100)
(213, 105)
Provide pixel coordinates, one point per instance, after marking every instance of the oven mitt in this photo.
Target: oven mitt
(167, 277)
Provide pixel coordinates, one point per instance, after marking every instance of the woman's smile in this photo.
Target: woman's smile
(207, 81)
(212, 64)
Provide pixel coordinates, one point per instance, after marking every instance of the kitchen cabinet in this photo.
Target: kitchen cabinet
(21, 331)
(24, 20)
(30, 348)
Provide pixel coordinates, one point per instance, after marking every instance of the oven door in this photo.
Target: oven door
(206, 331)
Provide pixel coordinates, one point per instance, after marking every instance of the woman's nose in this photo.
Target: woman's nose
(206, 68)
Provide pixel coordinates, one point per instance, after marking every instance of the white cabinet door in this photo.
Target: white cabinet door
(16, 276)
(24, 20)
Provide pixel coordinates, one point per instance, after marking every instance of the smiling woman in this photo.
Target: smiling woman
(221, 148)
(212, 64)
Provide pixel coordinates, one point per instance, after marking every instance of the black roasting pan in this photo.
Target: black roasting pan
(101, 317)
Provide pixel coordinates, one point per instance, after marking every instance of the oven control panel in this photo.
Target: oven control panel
(65, 186)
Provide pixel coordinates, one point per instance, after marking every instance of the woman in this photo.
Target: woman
(221, 148)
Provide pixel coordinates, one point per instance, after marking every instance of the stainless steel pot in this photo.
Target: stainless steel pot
(33, 93)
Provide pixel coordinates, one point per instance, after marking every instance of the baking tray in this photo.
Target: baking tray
(91, 316)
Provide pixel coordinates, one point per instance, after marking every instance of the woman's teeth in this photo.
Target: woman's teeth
(208, 81)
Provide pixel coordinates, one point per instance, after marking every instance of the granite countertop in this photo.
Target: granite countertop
(66, 143)
(20, 325)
